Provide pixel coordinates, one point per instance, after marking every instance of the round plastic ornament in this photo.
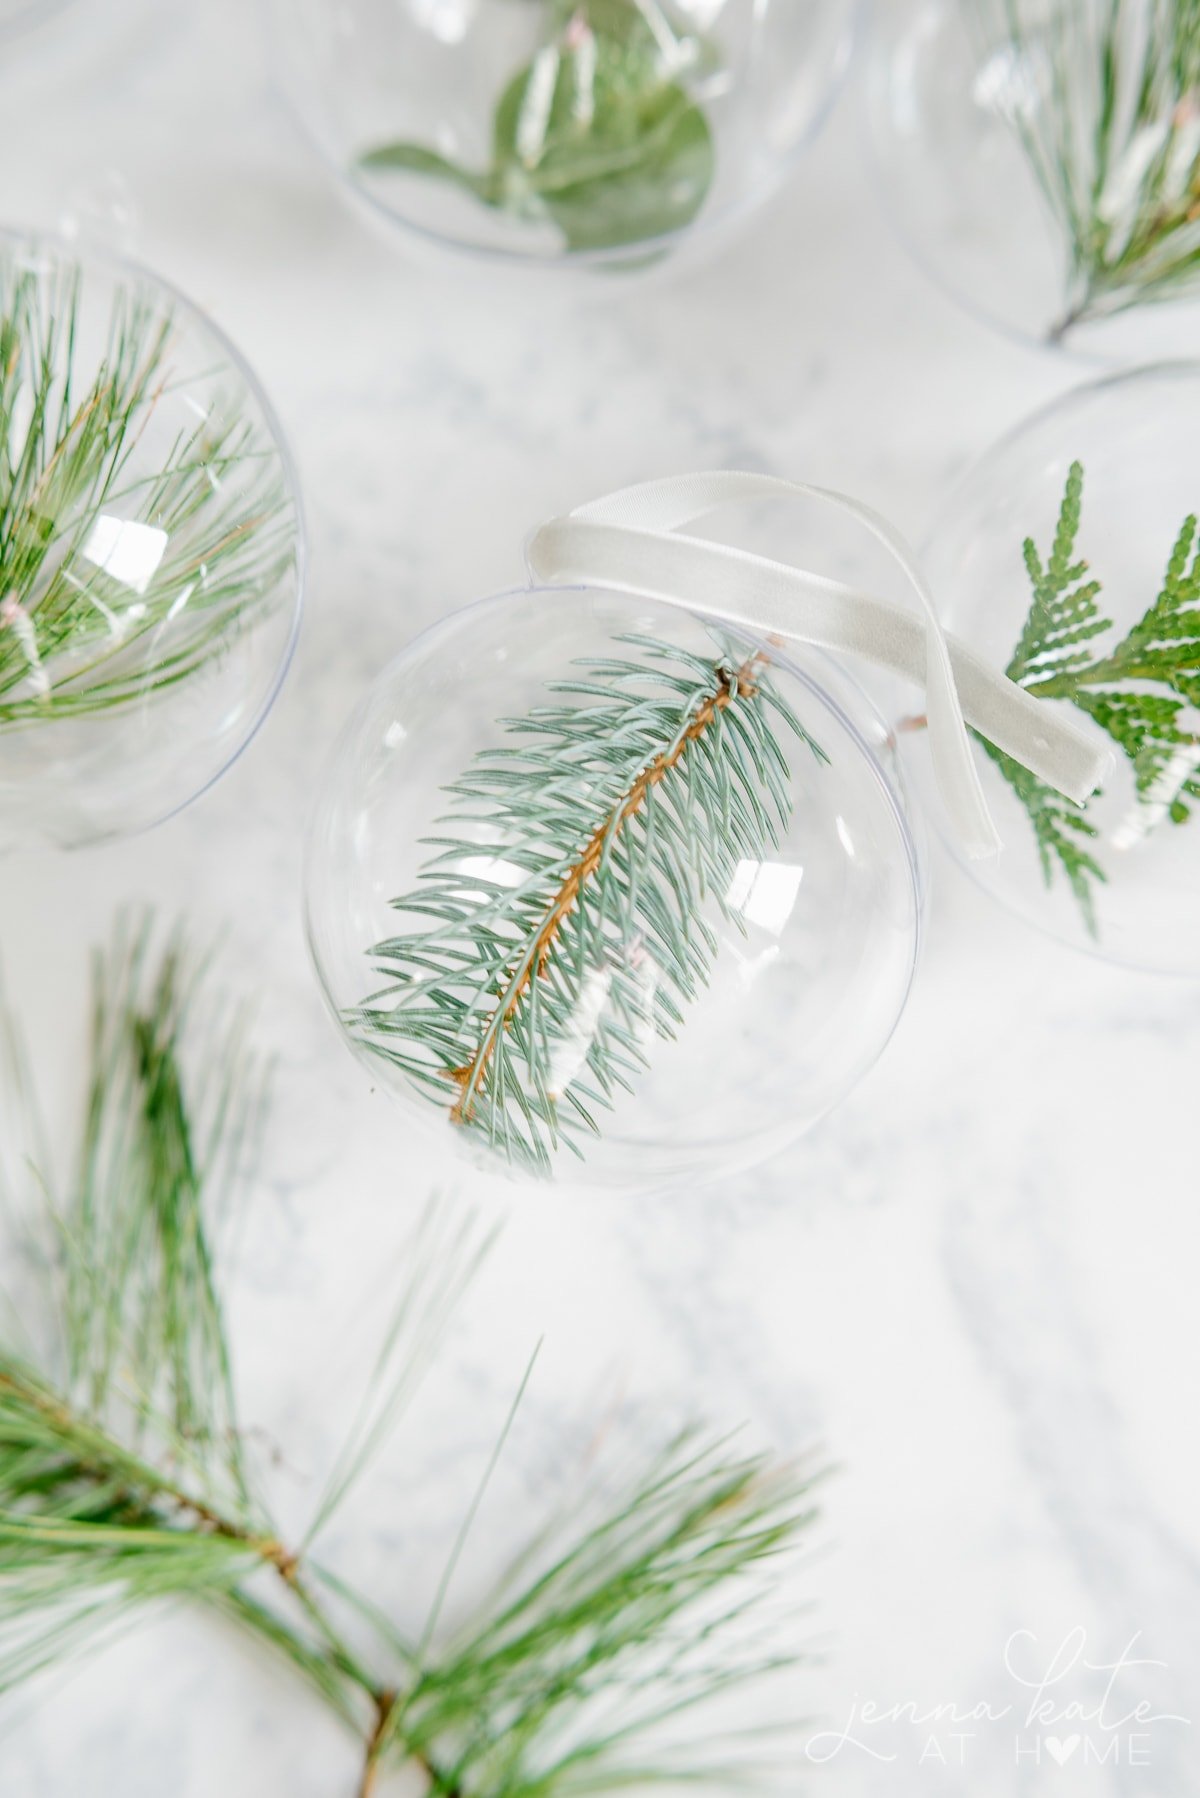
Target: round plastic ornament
(613, 877)
(561, 132)
(150, 548)
(1042, 158)
(1071, 554)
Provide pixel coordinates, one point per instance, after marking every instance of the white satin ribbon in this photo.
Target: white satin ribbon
(633, 541)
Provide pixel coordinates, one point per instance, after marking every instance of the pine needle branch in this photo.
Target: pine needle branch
(569, 905)
(163, 1154)
(587, 1667)
(122, 1477)
(318, 1655)
(213, 524)
(442, 1259)
(88, 1528)
(609, 1632)
(1106, 104)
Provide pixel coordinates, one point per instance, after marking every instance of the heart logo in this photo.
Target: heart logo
(1062, 1751)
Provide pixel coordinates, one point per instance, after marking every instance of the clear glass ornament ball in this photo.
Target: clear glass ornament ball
(150, 548)
(1137, 438)
(986, 120)
(806, 943)
(552, 132)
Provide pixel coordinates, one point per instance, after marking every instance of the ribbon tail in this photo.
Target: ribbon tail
(633, 541)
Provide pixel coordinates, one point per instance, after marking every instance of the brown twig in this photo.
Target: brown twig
(270, 1548)
(386, 1700)
(385, 1704)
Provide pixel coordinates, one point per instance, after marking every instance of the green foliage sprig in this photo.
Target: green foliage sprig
(77, 637)
(566, 900)
(1106, 102)
(1143, 690)
(597, 134)
(124, 1477)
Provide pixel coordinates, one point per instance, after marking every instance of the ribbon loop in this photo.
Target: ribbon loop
(633, 541)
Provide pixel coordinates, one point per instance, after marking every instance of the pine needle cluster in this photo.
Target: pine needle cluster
(1143, 691)
(1106, 102)
(78, 637)
(124, 1476)
(564, 920)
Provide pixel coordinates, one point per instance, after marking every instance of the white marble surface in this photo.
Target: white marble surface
(974, 1285)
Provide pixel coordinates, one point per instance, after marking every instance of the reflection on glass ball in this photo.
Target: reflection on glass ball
(550, 131)
(600, 892)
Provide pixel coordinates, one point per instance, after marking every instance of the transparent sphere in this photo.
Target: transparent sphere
(150, 548)
(1137, 439)
(547, 912)
(554, 131)
(1012, 191)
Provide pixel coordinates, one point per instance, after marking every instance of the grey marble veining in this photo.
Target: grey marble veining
(972, 1289)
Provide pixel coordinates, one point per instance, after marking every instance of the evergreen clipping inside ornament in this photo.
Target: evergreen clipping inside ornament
(596, 135)
(561, 130)
(149, 548)
(618, 868)
(1045, 157)
(1072, 552)
(591, 878)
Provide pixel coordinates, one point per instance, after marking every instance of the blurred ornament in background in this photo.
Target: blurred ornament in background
(1042, 157)
(594, 133)
(150, 547)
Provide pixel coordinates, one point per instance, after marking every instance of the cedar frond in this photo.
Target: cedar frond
(1058, 827)
(1140, 692)
(1064, 616)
